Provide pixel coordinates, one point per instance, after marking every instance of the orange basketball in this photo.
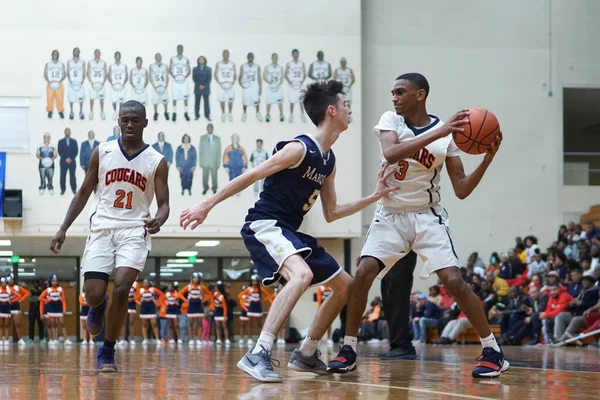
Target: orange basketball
(479, 133)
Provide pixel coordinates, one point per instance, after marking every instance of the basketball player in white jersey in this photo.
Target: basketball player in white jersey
(97, 75)
(273, 75)
(416, 145)
(76, 75)
(138, 77)
(159, 78)
(345, 75)
(54, 74)
(180, 70)
(129, 174)
(320, 69)
(251, 86)
(225, 75)
(295, 73)
(117, 76)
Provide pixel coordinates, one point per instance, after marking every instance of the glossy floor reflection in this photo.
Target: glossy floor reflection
(147, 372)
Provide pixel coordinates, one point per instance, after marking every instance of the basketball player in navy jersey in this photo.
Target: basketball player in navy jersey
(296, 174)
(128, 174)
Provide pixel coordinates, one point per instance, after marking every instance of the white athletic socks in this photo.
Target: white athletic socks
(490, 341)
(351, 341)
(309, 346)
(264, 340)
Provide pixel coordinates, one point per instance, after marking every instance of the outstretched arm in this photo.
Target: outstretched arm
(161, 190)
(78, 203)
(334, 211)
(465, 184)
(285, 158)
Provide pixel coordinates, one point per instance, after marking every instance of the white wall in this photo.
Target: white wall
(142, 28)
(493, 55)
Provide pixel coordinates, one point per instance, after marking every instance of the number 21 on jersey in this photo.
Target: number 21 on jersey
(119, 203)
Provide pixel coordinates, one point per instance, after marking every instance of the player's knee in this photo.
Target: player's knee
(455, 285)
(94, 296)
(367, 272)
(121, 290)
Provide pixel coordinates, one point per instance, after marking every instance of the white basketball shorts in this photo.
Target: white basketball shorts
(117, 96)
(275, 96)
(226, 95)
(180, 91)
(348, 93)
(392, 235)
(108, 249)
(158, 98)
(76, 96)
(97, 94)
(294, 94)
(250, 96)
(142, 96)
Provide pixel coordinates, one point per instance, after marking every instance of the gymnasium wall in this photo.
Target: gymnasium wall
(494, 55)
(143, 28)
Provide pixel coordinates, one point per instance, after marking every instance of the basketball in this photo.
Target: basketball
(479, 133)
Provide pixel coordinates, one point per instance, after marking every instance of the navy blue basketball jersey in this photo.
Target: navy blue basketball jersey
(289, 194)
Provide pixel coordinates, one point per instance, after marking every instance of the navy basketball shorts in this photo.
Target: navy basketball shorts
(270, 243)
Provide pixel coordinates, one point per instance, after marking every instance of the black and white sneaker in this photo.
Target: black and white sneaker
(344, 362)
(313, 363)
(260, 366)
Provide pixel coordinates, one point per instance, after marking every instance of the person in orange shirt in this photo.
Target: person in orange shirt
(244, 301)
(220, 304)
(15, 307)
(323, 293)
(171, 300)
(196, 295)
(148, 298)
(53, 301)
(85, 308)
(134, 292)
(255, 312)
(7, 297)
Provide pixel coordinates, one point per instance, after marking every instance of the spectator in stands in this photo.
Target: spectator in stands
(513, 311)
(575, 286)
(572, 322)
(592, 322)
(368, 328)
(563, 233)
(558, 302)
(530, 247)
(527, 327)
(521, 253)
(586, 265)
(477, 264)
(429, 314)
(494, 263)
(551, 279)
(453, 329)
(537, 265)
(511, 265)
(465, 275)
(499, 285)
(560, 265)
(435, 295)
(590, 231)
(487, 295)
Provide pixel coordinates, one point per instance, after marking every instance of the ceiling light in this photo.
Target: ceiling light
(152, 273)
(178, 266)
(179, 254)
(171, 269)
(6, 253)
(5, 243)
(166, 274)
(21, 260)
(27, 274)
(178, 260)
(33, 260)
(207, 243)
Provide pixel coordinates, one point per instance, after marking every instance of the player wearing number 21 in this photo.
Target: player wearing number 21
(129, 173)
(299, 170)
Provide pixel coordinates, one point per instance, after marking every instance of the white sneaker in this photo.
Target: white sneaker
(241, 342)
(115, 115)
(192, 342)
(223, 117)
(158, 343)
(244, 116)
(230, 117)
(92, 343)
(179, 341)
(219, 341)
(132, 342)
(6, 343)
(53, 343)
(51, 191)
(145, 341)
(172, 341)
(84, 342)
(258, 116)
(102, 115)
(250, 342)
(280, 341)
(303, 117)
(41, 192)
(291, 118)
(91, 115)
(330, 342)
(68, 342)
(227, 342)
(21, 342)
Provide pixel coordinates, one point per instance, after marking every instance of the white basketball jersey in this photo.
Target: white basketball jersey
(344, 76)
(249, 75)
(118, 72)
(159, 74)
(419, 176)
(320, 69)
(138, 77)
(226, 71)
(295, 71)
(180, 69)
(75, 70)
(55, 71)
(97, 71)
(258, 157)
(125, 187)
(274, 74)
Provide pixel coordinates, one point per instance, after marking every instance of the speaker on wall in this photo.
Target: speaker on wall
(12, 204)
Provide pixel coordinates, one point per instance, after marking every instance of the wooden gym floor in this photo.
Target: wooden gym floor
(147, 372)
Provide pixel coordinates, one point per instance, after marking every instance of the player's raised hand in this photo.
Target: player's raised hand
(454, 123)
(493, 149)
(383, 189)
(57, 241)
(152, 225)
(194, 216)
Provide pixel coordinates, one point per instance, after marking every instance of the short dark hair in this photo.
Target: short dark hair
(138, 59)
(259, 140)
(295, 50)
(136, 105)
(184, 136)
(320, 95)
(416, 79)
(553, 284)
